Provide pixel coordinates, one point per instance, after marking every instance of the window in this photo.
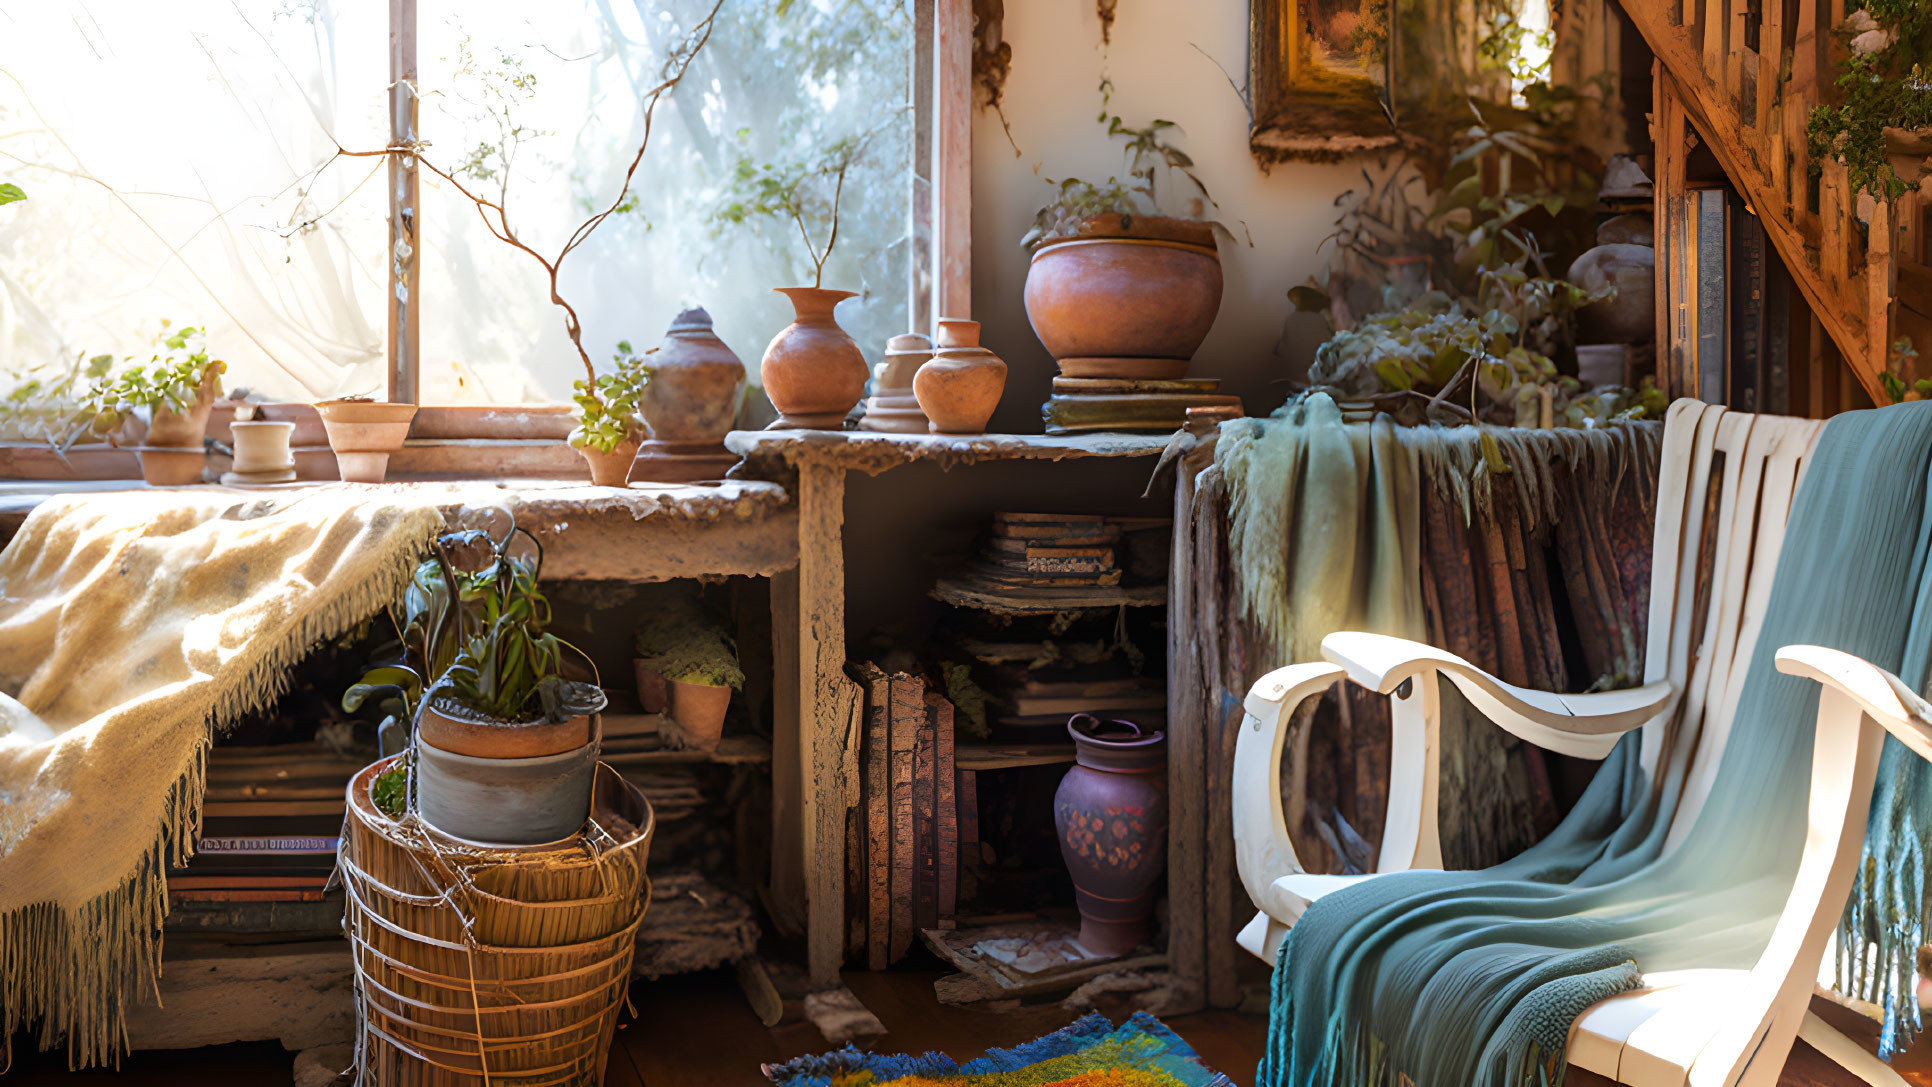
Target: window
(179, 162)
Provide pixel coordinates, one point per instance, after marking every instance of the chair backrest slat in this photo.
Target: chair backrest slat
(1728, 481)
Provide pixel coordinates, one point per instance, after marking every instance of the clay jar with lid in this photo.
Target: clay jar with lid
(690, 403)
(959, 387)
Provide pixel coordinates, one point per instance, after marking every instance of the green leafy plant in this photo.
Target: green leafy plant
(53, 409)
(1149, 153)
(684, 644)
(606, 410)
(171, 379)
(1883, 82)
(795, 190)
(1900, 363)
(10, 192)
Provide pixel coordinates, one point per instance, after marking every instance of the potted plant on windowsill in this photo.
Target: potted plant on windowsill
(505, 742)
(178, 387)
(812, 370)
(693, 661)
(1116, 289)
(363, 433)
(608, 429)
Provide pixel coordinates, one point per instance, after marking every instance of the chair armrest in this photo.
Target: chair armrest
(1882, 696)
(1263, 852)
(1583, 725)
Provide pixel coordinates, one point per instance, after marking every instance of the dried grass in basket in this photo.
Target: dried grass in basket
(485, 965)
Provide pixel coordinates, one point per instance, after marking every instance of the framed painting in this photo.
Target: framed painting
(1320, 71)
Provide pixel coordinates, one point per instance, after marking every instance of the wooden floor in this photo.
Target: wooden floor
(697, 1031)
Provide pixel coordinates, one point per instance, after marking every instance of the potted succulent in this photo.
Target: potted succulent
(608, 429)
(1116, 289)
(178, 387)
(505, 742)
(813, 371)
(691, 659)
(363, 433)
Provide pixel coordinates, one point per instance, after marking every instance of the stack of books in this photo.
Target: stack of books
(270, 823)
(1120, 403)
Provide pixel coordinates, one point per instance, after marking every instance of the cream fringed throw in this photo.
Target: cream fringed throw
(133, 626)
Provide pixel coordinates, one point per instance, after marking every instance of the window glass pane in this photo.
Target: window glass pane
(170, 155)
(556, 90)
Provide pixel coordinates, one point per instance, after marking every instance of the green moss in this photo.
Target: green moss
(685, 644)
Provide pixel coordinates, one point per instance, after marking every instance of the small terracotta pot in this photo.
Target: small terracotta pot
(812, 371)
(961, 385)
(486, 739)
(697, 715)
(612, 469)
(173, 429)
(1111, 813)
(651, 696)
(893, 408)
(1127, 287)
(171, 466)
(363, 433)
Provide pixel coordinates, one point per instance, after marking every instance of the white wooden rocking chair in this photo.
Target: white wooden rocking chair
(1708, 1028)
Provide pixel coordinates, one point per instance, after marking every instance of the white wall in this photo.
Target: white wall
(1163, 61)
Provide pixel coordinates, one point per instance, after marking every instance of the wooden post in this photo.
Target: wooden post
(1188, 697)
(813, 745)
(405, 239)
(952, 188)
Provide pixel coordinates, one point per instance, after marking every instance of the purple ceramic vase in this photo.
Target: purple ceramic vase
(1111, 811)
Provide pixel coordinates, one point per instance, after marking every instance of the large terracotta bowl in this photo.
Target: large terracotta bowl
(1098, 296)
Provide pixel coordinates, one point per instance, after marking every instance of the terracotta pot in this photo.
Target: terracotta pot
(651, 697)
(893, 408)
(173, 429)
(612, 469)
(697, 715)
(363, 433)
(812, 370)
(262, 452)
(961, 385)
(1111, 813)
(482, 738)
(1126, 288)
(696, 382)
(171, 466)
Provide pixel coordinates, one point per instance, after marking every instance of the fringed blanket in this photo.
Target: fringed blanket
(1455, 978)
(133, 626)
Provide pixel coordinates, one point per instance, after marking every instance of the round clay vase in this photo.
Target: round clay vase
(1111, 813)
(262, 453)
(959, 387)
(813, 372)
(893, 408)
(612, 469)
(1630, 317)
(504, 783)
(697, 715)
(1128, 297)
(363, 433)
(696, 382)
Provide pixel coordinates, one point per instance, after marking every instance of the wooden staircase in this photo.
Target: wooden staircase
(1743, 75)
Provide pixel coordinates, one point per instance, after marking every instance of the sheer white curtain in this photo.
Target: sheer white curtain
(169, 153)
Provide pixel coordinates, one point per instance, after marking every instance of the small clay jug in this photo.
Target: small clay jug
(813, 372)
(961, 385)
(893, 408)
(1111, 813)
(695, 383)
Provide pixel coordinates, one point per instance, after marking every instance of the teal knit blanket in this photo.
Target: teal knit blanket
(1452, 978)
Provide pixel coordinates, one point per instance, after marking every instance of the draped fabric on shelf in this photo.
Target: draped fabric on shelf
(133, 626)
(1538, 572)
(1474, 977)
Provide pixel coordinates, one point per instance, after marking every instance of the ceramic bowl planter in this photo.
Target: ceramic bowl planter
(813, 372)
(961, 385)
(893, 407)
(262, 453)
(612, 469)
(502, 783)
(1111, 813)
(363, 433)
(697, 715)
(1128, 297)
(690, 404)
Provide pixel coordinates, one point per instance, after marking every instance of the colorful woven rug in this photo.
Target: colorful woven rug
(1091, 1052)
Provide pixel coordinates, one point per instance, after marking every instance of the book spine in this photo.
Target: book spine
(1712, 339)
(231, 894)
(1746, 302)
(908, 709)
(875, 797)
(254, 846)
(946, 830)
(924, 825)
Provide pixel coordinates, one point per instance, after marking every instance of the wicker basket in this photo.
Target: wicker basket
(487, 965)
